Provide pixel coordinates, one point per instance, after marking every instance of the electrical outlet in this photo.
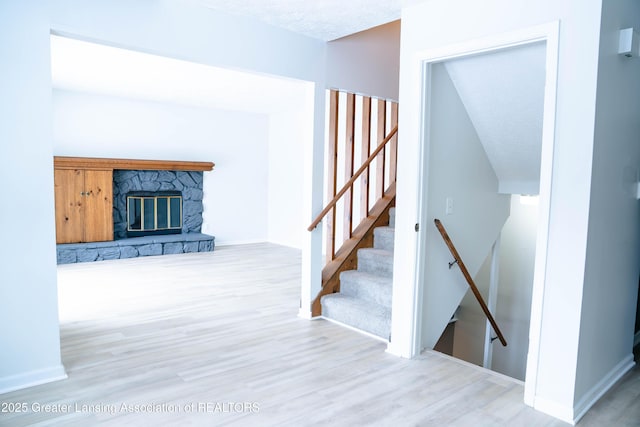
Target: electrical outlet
(449, 209)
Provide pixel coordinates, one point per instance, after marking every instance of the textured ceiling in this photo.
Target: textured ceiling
(503, 93)
(320, 19)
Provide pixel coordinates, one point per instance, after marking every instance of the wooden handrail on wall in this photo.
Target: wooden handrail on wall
(472, 285)
(353, 179)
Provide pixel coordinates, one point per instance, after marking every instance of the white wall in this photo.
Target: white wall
(367, 62)
(29, 334)
(288, 135)
(613, 246)
(513, 307)
(436, 24)
(182, 30)
(235, 193)
(557, 363)
(458, 168)
(186, 30)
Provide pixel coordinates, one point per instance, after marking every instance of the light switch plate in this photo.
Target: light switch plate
(449, 209)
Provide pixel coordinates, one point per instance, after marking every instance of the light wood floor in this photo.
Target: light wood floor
(222, 329)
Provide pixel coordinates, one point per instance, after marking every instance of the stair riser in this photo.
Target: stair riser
(372, 321)
(383, 238)
(368, 291)
(373, 263)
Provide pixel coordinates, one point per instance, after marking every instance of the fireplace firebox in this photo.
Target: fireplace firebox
(154, 212)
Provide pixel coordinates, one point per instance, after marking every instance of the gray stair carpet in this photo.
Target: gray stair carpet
(364, 300)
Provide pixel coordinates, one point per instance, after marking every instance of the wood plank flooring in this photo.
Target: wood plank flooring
(212, 339)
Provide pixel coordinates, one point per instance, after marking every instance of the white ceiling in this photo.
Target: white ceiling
(320, 19)
(503, 93)
(93, 68)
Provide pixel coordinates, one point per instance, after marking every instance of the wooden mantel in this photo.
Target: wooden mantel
(92, 163)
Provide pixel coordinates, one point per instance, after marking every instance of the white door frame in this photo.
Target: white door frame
(548, 33)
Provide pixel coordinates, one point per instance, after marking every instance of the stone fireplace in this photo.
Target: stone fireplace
(155, 212)
(150, 184)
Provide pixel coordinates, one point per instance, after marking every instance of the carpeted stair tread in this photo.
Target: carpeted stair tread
(376, 261)
(361, 314)
(367, 286)
(392, 217)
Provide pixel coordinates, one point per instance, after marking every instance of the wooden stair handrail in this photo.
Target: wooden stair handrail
(349, 183)
(467, 276)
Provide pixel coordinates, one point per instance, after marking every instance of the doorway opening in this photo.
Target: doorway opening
(475, 188)
(487, 112)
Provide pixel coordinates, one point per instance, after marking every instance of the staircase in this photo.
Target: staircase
(356, 283)
(364, 300)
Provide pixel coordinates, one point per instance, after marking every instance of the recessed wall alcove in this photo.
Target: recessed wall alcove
(92, 197)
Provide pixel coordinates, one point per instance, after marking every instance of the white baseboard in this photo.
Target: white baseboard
(561, 412)
(305, 314)
(597, 391)
(573, 414)
(253, 242)
(239, 242)
(395, 351)
(355, 329)
(32, 378)
(286, 243)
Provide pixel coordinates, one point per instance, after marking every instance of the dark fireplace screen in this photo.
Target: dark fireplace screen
(154, 213)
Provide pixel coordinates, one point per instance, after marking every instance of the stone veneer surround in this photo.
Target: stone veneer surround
(188, 183)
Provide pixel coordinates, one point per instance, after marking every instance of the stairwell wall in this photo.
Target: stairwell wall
(458, 170)
(513, 307)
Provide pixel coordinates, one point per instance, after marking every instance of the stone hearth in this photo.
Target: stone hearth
(135, 247)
